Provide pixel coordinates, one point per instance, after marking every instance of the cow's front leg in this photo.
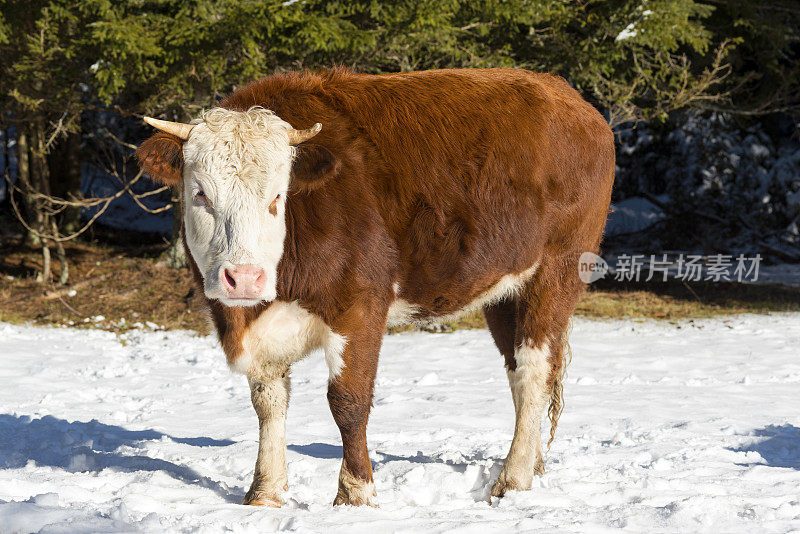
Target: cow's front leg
(350, 399)
(270, 399)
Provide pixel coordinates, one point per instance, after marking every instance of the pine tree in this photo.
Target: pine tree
(634, 59)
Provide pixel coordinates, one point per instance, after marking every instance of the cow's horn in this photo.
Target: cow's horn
(178, 129)
(298, 136)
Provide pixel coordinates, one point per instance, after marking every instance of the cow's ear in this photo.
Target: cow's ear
(313, 165)
(161, 156)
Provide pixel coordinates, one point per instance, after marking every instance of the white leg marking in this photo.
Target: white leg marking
(529, 391)
(243, 363)
(353, 490)
(334, 347)
(270, 400)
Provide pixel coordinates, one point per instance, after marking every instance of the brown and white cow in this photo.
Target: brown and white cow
(422, 196)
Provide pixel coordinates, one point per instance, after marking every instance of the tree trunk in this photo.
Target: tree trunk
(62, 261)
(6, 169)
(25, 183)
(40, 180)
(175, 255)
(62, 258)
(64, 162)
(44, 276)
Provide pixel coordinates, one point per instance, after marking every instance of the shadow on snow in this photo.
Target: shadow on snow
(93, 446)
(781, 448)
(325, 451)
(479, 490)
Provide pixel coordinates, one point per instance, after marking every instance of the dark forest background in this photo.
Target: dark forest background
(703, 95)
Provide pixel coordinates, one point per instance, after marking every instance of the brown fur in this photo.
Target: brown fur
(161, 157)
(440, 181)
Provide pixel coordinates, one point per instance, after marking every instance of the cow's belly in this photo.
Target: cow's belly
(283, 334)
(403, 311)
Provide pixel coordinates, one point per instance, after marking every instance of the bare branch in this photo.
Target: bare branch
(57, 130)
(103, 202)
(119, 141)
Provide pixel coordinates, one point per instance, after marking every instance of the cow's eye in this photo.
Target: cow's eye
(201, 198)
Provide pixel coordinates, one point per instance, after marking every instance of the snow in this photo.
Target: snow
(631, 30)
(707, 168)
(631, 215)
(628, 32)
(685, 427)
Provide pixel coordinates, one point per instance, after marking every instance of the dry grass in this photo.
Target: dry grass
(678, 300)
(125, 286)
(121, 287)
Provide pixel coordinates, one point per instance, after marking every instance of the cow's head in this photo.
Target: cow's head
(235, 170)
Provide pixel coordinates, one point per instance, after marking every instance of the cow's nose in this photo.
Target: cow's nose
(243, 281)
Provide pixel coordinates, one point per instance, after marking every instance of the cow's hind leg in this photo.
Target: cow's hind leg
(502, 320)
(270, 399)
(528, 370)
(537, 319)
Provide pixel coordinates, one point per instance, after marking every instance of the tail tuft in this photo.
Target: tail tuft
(557, 393)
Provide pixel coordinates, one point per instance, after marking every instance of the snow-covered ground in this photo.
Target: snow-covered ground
(668, 428)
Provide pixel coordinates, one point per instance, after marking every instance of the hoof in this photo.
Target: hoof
(262, 498)
(339, 501)
(504, 484)
(354, 491)
(361, 496)
(521, 482)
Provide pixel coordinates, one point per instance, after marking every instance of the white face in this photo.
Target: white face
(235, 178)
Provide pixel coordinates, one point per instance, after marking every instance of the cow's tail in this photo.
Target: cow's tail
(557, 392)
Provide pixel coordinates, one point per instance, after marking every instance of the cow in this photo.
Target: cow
(320, 207)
